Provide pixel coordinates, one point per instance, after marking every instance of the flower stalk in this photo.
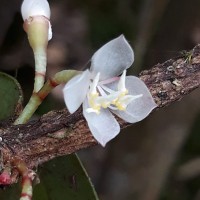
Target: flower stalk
(36, 15)
(27, 179)
(37, 98)
(37, 29)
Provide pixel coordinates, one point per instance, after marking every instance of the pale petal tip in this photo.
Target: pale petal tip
(112, 58)
(155, 105)
(106, 138)
(152, 103)
(103, 144)
(106, 135)
(103, 141)
(35, 7)
(127, 48)
(150, 106)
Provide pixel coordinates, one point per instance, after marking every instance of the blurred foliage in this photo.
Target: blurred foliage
(188, 188)
(108, 19)
(191, 149)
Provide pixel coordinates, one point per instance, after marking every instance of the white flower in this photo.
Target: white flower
(100, 90)
(34, 8)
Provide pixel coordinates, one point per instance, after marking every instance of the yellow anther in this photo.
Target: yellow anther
(92, 100)
(105, 104)
(93, 104)
(93, 94)
(122, 94)
(120, 106)
(125, 92)
(96, 107)
(114, 101)
(103, 97)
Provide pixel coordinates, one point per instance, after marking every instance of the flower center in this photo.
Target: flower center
(101, 96)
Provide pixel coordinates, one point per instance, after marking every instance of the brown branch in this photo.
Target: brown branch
(34, 142)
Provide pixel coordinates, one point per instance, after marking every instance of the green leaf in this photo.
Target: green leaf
(10, 96)
(10, 193)
(64, 178)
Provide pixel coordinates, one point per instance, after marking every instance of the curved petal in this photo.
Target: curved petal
(140, 107)
(112, 58)
(75, 91)
(103, 126)
(50, 32)
(35, 7)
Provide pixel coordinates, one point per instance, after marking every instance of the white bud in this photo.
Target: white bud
(32, 8)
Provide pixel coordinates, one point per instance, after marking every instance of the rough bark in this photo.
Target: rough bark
(35, 143)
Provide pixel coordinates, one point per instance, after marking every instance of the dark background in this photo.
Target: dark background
(158, 158)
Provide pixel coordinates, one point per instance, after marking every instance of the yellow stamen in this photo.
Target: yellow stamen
(105, 104)
(109, 98)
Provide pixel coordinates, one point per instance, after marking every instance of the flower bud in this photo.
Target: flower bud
(36, 14)
(37, 29)
(32, 8)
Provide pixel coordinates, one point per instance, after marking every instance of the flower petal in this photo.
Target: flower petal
(35, 7)
(50, 34)
(112, 58)
(103, 126)
(75, 91)
(139, 108)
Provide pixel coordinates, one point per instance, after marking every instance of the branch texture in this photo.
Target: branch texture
(37, 141)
